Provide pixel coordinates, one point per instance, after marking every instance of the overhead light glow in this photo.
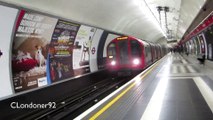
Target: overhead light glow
(149, 14)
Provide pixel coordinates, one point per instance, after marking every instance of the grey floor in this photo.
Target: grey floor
(181, 98)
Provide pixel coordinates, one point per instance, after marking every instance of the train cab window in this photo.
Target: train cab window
(135, 48)
(112, 51)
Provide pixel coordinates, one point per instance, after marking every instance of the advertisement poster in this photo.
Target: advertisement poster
(29, 51)
(198, 46)
(210, 51)
(94, 51)
(7, 23)
(202, 44)
(81, 51)
(61, 50)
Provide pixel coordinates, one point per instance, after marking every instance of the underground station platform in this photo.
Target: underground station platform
(174, 88)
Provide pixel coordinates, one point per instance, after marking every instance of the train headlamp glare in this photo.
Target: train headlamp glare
(136, 61)
(113, 63)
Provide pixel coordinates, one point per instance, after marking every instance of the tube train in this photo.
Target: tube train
(129, 54)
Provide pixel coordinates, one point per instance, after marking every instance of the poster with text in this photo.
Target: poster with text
(61, 50)
(81, 51)
(29, 51)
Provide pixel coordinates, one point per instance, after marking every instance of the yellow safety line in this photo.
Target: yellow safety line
(119, 96)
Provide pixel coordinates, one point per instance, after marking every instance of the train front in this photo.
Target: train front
(124, 55)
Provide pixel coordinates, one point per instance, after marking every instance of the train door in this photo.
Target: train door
(136, 52)
(145, 55)
(123, 52)
(156, 52)
(152, 52)
(148, 56)
(160, 51)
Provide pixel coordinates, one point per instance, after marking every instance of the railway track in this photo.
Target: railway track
(72, 106)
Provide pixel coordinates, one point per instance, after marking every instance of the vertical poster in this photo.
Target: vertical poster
(81, 51)
(61, 50)
(210, 51)
(29, 51)
(7, 23)
(93, 62)
(194, 44)
(202, 44)
(198, 46)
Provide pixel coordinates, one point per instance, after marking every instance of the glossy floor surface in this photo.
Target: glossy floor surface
(174, 88)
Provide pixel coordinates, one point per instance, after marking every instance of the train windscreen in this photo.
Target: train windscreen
(112, 51)
(123, 50)
(135, 49)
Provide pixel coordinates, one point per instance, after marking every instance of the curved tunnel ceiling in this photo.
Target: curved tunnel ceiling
(138, 18)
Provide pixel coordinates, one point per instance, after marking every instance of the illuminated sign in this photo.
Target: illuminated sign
(122, 38)
(110, 56)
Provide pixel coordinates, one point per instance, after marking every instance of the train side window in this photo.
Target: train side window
(149, 50)
(112, 51)
(135, 48)
(145, 50)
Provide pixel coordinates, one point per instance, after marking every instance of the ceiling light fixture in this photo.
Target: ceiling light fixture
(149, 12)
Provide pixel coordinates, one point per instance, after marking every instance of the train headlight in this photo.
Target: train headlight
(136, 61)
(113, 63)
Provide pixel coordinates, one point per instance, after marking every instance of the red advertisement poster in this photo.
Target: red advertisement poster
(29, 51)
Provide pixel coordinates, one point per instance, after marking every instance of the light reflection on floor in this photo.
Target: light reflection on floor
(153, 108)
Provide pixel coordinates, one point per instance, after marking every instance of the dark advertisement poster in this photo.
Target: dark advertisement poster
(29, 50)
(61, 50)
